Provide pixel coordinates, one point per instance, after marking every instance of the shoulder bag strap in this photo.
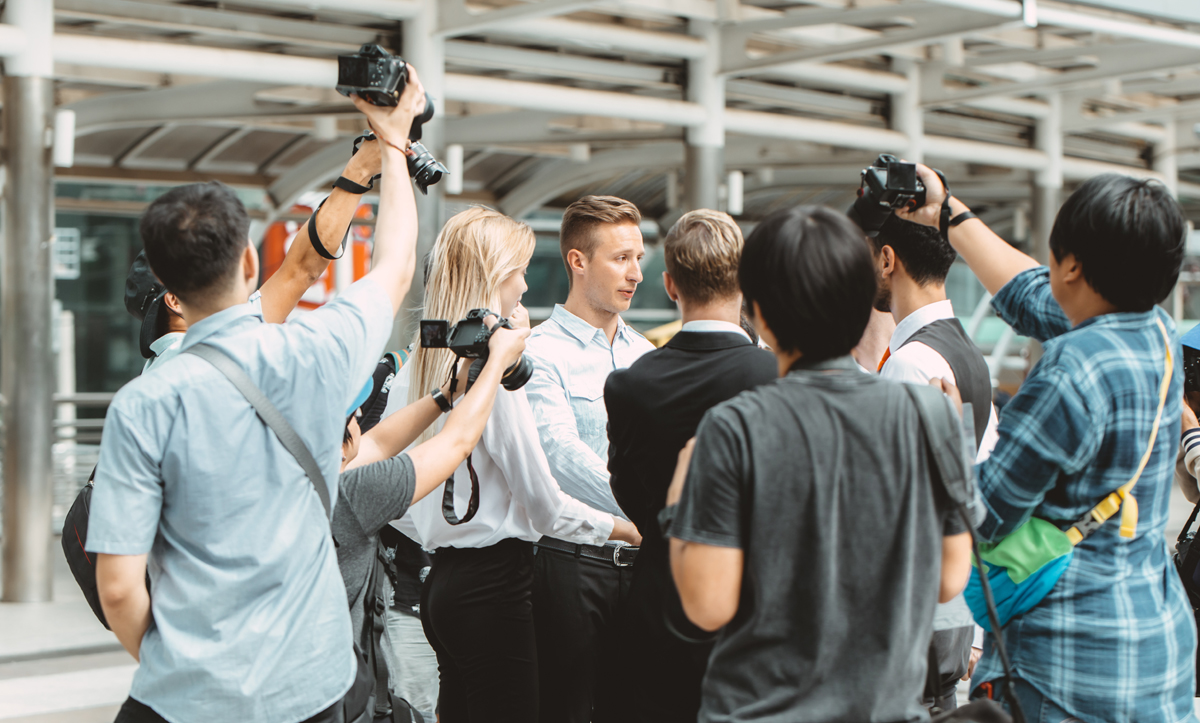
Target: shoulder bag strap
(1122, 499)
(270, 415)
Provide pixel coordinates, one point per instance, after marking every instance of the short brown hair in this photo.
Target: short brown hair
(586, 214)
(702, 251)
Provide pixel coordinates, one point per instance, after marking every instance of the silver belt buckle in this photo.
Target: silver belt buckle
(617, 555)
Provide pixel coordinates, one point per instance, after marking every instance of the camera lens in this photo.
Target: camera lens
(517, 375)
(424, 168)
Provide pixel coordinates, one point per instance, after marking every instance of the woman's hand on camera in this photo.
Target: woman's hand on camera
(393, 123)
(625, 531)
(519, 317)
(931, 213)
(507, 345)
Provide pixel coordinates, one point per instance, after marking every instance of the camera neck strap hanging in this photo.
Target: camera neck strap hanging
(315, 239)
(448, 512)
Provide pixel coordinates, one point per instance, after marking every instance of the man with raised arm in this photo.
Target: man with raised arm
(1114, 639)
(247, 618)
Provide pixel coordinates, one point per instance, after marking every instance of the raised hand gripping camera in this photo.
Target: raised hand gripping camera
(378, 77)
(468, 339)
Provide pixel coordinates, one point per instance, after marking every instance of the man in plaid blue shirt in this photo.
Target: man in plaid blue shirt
(1115, 639)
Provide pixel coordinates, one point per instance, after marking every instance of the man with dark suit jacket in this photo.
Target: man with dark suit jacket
(654, 407)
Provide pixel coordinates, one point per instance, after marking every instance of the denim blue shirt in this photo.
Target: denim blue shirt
(1114, 639)
(572, 359)
(250, 621)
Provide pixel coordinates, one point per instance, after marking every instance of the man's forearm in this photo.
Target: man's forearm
(395, 252)
(120, 581)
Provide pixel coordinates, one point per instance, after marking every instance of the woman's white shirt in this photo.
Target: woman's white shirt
(518, 496)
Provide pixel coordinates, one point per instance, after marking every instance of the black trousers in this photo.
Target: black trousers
(949, 660)
(477, 612)
(575, 606)
(133, 711)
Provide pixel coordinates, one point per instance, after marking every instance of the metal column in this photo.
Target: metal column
(27, 369)
(1048, 182)
(426, 51)
(908, 116)
(705, 153)
(1166, 156)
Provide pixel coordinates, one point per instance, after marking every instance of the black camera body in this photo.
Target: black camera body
(889, 182)
(468, 339)
(1191, 369)
(378, 77)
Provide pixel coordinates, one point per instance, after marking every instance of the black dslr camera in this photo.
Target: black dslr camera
(468, 339)
(378, 77)
(1191, 368)
(886, 185)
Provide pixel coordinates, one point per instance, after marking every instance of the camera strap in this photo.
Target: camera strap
(315, 240)
(448, 511)
(351, 187)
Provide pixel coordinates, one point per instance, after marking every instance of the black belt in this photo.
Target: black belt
(615, 555)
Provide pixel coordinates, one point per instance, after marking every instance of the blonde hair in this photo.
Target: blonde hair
(475, 251)
(702, 251)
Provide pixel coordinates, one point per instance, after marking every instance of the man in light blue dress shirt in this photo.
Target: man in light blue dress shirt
(577, 587)
(247, 617)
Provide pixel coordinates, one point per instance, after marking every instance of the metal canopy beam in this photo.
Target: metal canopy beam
(228, 23)
(1081, 122)
(220, 99)
(835, 16)
(949, 25)
(1152, 59)
(455, 18)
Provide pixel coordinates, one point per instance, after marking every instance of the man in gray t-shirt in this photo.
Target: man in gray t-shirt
(810, 529)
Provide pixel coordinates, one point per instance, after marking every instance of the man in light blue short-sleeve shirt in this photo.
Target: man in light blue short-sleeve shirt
(247, 618)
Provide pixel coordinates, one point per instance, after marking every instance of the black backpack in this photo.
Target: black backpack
(74, 540)
(1187, 562)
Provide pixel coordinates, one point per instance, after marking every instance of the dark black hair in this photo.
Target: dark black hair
(194, 236)
(811, 272)
(927, 257)
(1128, 236)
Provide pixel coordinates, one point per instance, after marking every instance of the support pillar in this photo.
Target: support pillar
(1166, 156)
(425, 50)
(705, 153)
(907, 115)
(27, 368)
(1048, 182)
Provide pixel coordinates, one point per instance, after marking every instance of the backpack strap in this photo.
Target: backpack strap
(270, 415)
(1122, 499)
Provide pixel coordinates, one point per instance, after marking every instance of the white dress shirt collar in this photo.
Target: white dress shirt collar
(919, 319)
(713, 325)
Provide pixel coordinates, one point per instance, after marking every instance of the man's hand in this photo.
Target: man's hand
(976, 654)
(365, 164)
(675, 491)
(393, 123)
(931, 213)
(625, 531)
(507, 345)
(949, 390)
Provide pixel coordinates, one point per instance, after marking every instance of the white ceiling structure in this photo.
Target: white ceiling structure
(551, 99)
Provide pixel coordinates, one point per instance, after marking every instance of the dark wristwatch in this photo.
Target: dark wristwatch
(442, 402)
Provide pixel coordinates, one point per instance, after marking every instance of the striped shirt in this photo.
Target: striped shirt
(1114, 640)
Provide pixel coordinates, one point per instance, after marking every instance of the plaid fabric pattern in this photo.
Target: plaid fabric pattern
(1115, 639)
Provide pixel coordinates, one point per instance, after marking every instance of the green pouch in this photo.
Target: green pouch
(1027, 549)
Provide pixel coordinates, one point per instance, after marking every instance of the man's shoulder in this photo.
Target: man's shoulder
(916, 362)
(548, 338)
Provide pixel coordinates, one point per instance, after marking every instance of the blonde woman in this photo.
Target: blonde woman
(476, 606)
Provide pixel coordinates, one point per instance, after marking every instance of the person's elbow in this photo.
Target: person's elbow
(707, 612)
(956, 566)
(119, 582)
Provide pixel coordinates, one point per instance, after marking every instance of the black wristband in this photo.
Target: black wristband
(964, 216)
(351, 187)
(442, 402)
(315, 240)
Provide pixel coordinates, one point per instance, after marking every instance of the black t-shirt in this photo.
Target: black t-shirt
(822, 479)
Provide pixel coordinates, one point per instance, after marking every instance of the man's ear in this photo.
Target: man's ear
(172, 303)
(887, 261)
(669, 285)
(1070, 269)
(576, 261)
(250, 266)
